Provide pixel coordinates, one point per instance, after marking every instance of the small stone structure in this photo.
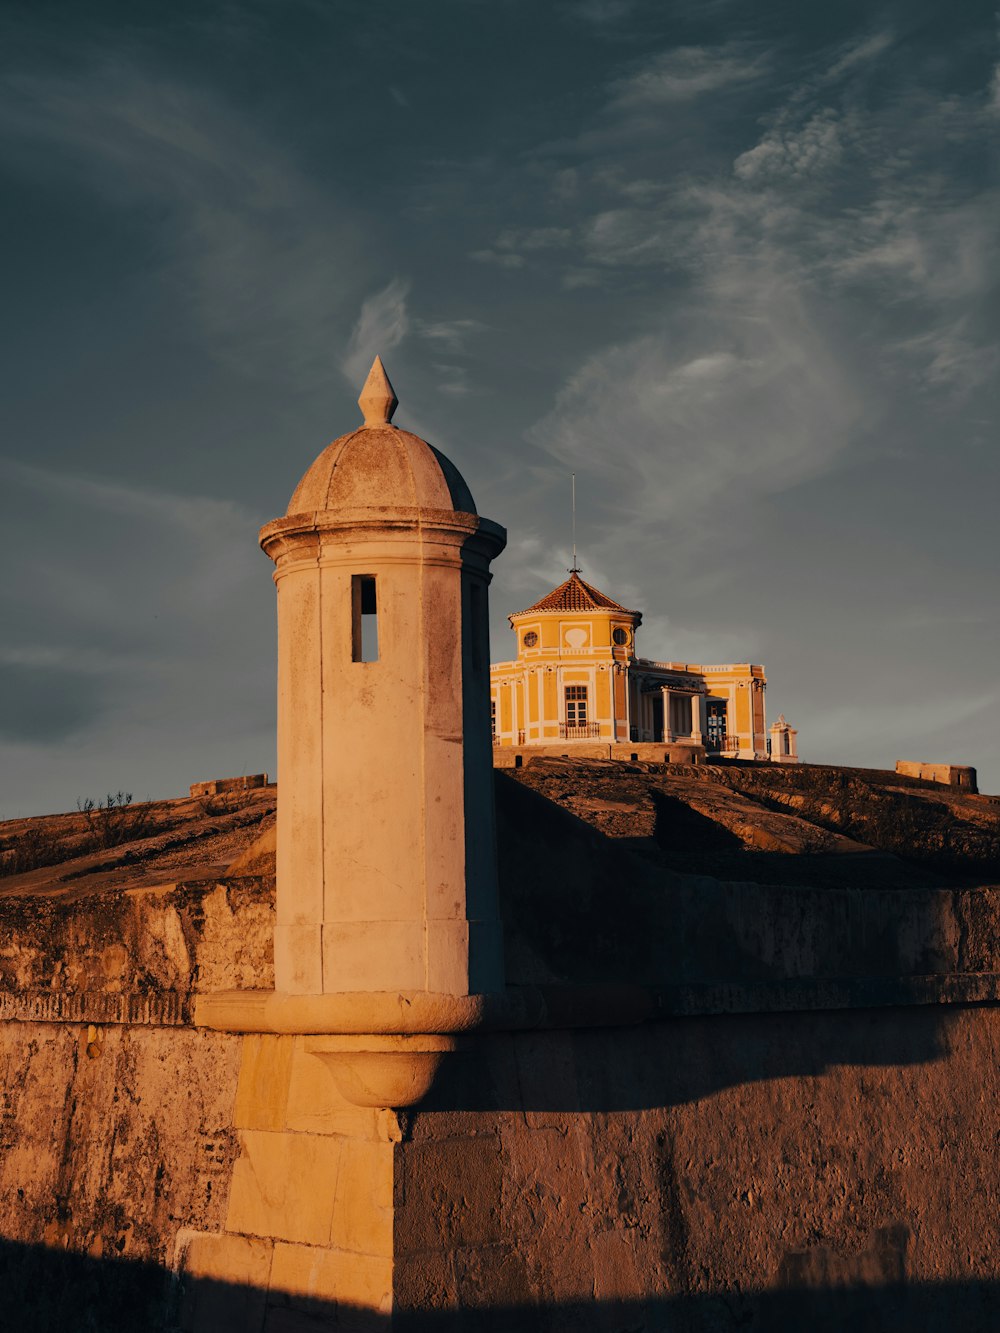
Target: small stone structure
(218, 786)
(952, 775)
(783, 742)
(386, 875)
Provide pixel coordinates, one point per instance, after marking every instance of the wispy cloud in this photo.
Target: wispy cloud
(683, 434)
(856, 54)
(602, 14)
(812, 148)
(947, 358)
(685, 73)
(451, 379)
(452, 335)
(186, 550)
(514, 245)
(502, 258)
(382, 325)
(807, 283)
(925, 245)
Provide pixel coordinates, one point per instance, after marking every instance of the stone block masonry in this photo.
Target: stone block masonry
(700, 1168)
(219, 786)
(952, 775)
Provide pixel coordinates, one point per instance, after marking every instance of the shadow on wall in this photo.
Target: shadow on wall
(678, 1062)
(580, 907)
(50, 1291)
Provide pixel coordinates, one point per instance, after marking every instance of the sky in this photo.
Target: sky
(734, 264)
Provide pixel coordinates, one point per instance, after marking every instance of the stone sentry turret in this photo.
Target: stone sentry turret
(386, 850)
(387, 940)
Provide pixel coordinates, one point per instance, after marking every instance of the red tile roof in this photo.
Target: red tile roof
(576, 595)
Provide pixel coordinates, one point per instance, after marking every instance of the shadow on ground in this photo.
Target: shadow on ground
(804, 824)
(50, 1291)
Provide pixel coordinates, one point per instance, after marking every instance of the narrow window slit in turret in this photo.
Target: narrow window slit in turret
(364, 618)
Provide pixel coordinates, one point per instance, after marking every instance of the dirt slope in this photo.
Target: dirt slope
(156, 842)
(805, 825)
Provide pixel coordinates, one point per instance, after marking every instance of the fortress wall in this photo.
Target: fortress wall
(309, 1222)
(203, 1180)
(134, 954)
(113, 1139)
(692, 1168)
(703, 1167)
(555, 1179)
(213, 1181)
(117, 1126)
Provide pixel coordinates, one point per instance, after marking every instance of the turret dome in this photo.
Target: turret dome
(379, 466)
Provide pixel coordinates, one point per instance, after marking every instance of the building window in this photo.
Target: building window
(620, 636)
(493, 717)
(364, 618)
(530, 639)
(576, 705)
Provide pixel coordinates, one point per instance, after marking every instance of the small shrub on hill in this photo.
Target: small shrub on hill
(30, 851)
(116, 820)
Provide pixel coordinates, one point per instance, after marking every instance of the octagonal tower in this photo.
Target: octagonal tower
(386, 861)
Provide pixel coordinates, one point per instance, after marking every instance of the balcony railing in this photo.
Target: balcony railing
(585, 731)
(722, 744)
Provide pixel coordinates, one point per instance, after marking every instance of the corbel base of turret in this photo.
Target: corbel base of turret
(383, 1071)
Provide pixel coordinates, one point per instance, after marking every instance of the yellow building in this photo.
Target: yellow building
(577, 681)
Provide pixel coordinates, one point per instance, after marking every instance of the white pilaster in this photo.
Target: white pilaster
(697, 707)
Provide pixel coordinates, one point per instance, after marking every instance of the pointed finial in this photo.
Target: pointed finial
(378, 400)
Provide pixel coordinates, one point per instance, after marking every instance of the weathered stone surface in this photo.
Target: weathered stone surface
(223, 1282)
(259, 857)
(284, 1187)
(135, 955)
(311, 1280)
(218, 786)
(724, 1157)
(113, 1139)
